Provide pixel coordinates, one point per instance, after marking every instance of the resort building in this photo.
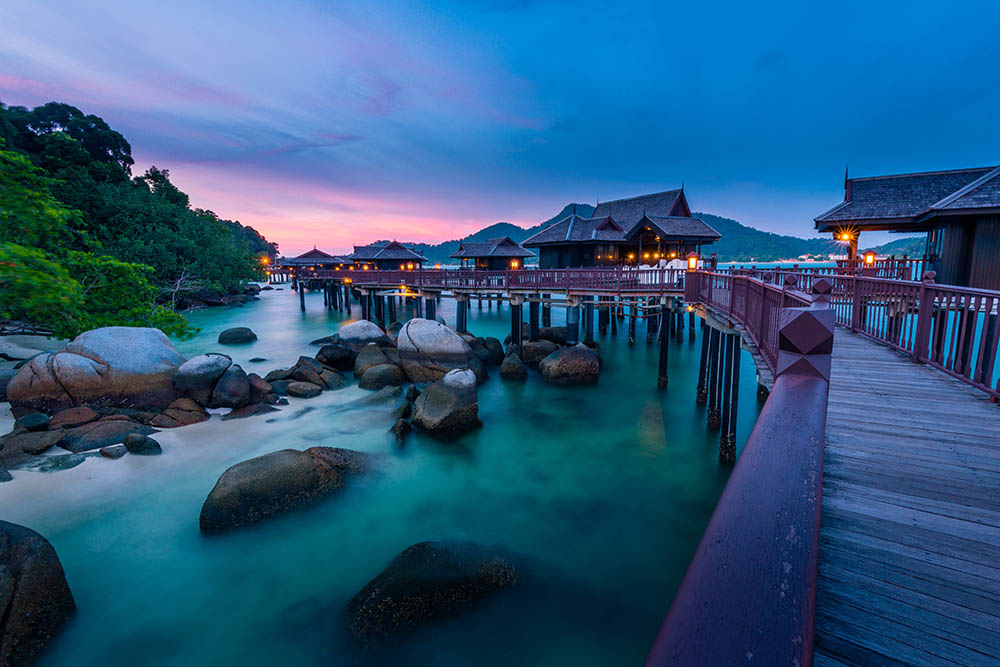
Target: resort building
(387, 255)
(959, 211)
(636, 231)
(314, 260)
(492, 255)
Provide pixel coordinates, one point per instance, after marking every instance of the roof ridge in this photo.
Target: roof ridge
(920, 173)
(651, 194)
(966, 189)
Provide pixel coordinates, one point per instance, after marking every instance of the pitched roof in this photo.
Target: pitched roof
(386, 250)
(905, 197)
(574, 229)
(628, 212)
(314, 256)
(501, 247)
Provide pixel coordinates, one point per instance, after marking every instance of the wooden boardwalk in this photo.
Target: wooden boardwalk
(909, 567)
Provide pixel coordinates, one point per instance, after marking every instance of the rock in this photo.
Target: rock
(495, 348)
(34, 596)
(404, 411)
(33, 421)
(280, 387)
(370, 355)
(382, 396)
(394, 327)
(306, 374)
(251, 410)
(426, 581)
(143, 445)
(259, 388)
(237, 336)
(303, 389)
(360, 333)
(232, 390)
(40, 442)
(113, 451)
(382, 375)
(449, 407)
(325, 339)
(337, 355)
(333, 379)
(72, 417)
(20, 445)
(186, 404)
(174, 417)
(112, 366)
(279, 374)
(428, 350)
(532, 352)
(555, 334)
(275, 483)
(100, 434)
(197, 376)
(257, 360)
(513, 368)
(411, 394)
(310, 363)
(400, 429)
(571, 365)
(5, 377)
(5, 476)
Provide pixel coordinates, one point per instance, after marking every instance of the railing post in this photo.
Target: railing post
(924, 312)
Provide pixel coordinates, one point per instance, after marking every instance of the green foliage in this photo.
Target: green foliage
(33, 288)
(29, 214)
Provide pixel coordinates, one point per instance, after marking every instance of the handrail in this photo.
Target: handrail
(749, 593)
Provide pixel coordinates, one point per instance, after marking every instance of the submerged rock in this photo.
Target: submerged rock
(251, 410)
(369, 356)
(333, 379)
(33, 421)
(533, 352)
(237, 336)
(426, 581)
(449, 407)
(275, 483)
(112, 366)
(101, 434)
(337, 355)
(113, 451)
(232, 390)
(513, 369)
(571, 365)
(34, 596)
(197, 376)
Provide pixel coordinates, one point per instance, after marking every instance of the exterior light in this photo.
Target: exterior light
(631, 256)
(513, 263)
(690, 309)
(312, 268)
(267, 273)
(365, 267)
(870, 258)
(656, 256)
(692, 259)
(351, 267)
(409, 266)
(265, 260)
(437, 266)
(645, 255)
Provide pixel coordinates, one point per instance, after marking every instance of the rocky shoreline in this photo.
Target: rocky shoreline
(107, 392)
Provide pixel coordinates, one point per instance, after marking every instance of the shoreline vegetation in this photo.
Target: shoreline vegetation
(85, 244)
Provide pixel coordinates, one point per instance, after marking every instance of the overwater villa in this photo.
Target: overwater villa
(315, 259)
(492, 255)
(635, 231)
(386, 255)
(959, 210)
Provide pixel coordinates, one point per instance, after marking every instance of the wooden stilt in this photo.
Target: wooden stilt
(533, 320)
(661, 375)
(727, 452)
(572, 324)
(701, 393)
(714, 359)
(588, 320)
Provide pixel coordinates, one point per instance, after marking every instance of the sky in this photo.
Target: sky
(340, 123)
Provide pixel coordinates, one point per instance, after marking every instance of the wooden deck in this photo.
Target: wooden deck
(909, 567)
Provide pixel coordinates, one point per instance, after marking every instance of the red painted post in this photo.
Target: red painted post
(924, 312)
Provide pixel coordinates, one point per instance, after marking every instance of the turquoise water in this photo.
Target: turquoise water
(604, 490)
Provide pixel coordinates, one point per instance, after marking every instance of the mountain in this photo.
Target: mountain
(739, 243)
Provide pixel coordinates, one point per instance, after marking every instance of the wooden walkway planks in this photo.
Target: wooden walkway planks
(909, 566)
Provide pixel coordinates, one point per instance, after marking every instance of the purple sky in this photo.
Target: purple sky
(336, 123)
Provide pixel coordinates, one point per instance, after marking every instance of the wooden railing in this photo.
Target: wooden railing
(749, 594)
(620, 280)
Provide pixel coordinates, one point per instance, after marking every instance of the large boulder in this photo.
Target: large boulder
(5, 377)
(571, 365)
(533, 352)
(383, 375)
(360, 333)
(237, 336)
(428, 350)
(337, 355)
(232, 390)
(34, 597)
(555, 334)
(369, 356)
(303, 389)
(513, 368)
(197, 376)
(495, 349)
(274, 483)
(72, 417)
(428, 580)
(449, 407)
(113, 366)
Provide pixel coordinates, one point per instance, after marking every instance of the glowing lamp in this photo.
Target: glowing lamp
(645, 255)
(267, 273)
(409, 266)
(265, 260)
(870, 258)
(690, 309)
(672, 255)
(312, 268)
(631, 256)
(365, 267)
(692, 259)
(437, 266)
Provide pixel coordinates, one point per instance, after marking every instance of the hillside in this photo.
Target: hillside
(739, 243)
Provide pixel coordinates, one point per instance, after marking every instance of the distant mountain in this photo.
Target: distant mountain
(739, 243)
(911, 246)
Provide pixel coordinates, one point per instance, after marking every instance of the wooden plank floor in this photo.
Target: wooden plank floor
(909, 567)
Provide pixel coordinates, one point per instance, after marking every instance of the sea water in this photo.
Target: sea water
(602, 491)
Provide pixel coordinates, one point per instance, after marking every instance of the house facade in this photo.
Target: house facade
(633, 232)
(493, 255)
(958, 210)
